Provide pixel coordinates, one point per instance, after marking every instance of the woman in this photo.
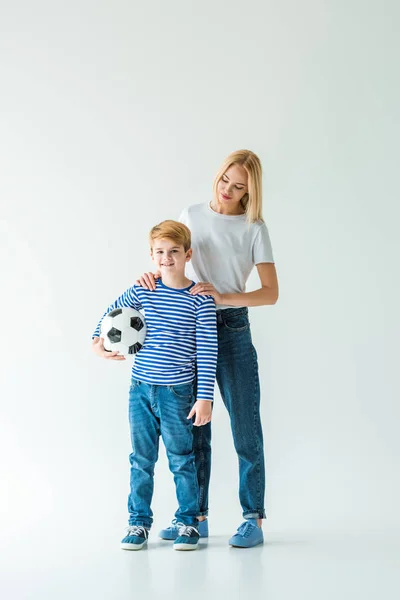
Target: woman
(229, 237)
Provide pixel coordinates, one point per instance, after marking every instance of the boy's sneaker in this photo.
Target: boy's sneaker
(247, 535)
(135, 538)
(188, 538)
(171, 533)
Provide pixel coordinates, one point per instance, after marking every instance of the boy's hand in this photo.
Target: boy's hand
(203, 411)
(148, 280)
(98, 348)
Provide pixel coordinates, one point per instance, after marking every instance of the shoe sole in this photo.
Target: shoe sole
(245, 547)
(133, 546)
(185, 546)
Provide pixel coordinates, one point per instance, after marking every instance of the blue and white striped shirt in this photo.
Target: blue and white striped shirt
(181, 337)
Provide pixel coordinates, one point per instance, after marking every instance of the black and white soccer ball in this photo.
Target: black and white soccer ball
(124, 331)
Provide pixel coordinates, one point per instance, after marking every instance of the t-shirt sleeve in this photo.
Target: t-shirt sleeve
(128, 299)
(262, 249)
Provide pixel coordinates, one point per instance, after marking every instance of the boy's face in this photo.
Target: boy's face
(169, 257)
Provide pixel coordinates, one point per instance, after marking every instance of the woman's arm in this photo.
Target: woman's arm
(266, 294)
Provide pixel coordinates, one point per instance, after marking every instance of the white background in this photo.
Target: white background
(115, 116)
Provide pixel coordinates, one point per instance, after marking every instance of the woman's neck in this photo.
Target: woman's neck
(225, 210)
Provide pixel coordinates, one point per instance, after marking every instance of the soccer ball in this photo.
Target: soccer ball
(123, 330)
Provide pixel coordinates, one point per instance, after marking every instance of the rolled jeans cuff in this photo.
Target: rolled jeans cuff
(255, 514)
(140, 523)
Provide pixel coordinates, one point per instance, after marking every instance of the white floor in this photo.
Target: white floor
(92, 566)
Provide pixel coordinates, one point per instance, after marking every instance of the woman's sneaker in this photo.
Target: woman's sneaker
(188, 538)
(247, 535)
(171, 532)
(135, 538)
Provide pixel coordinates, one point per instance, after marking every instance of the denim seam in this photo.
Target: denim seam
(257, 420)
(201, 470)
(236, 329)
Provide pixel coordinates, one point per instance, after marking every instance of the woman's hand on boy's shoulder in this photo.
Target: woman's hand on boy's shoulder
(204, 288)
(203, 411)
(148, 280)
(98, 348)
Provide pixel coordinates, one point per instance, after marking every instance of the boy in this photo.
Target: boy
(180, 347)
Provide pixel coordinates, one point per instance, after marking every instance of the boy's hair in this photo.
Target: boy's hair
(171, 230)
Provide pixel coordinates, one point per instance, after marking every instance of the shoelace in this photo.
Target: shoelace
(245, 529)
(137, 530)
(186, 529)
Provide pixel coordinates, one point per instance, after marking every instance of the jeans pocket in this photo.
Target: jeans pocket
(240, 323)
(184, 390)
(134, 384)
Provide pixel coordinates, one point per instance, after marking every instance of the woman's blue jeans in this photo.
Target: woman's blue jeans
(238, 382)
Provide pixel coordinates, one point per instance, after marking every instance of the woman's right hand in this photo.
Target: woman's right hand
(148, 280)
(98, 348)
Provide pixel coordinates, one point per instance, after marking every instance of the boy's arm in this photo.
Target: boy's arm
(128, 299)
(206, 348)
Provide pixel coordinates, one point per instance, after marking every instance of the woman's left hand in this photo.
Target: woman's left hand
(205, 288)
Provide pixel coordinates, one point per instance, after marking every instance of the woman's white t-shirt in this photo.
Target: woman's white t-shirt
(225, 248)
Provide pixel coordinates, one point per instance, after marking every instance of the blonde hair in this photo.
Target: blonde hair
(171, 230)
(252, 200)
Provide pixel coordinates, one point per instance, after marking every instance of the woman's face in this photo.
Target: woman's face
(232, 186)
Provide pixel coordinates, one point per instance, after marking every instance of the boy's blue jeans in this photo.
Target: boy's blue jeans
(238, 382)
(156, 410)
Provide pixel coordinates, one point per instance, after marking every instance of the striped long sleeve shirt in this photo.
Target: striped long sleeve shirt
(181, 341)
